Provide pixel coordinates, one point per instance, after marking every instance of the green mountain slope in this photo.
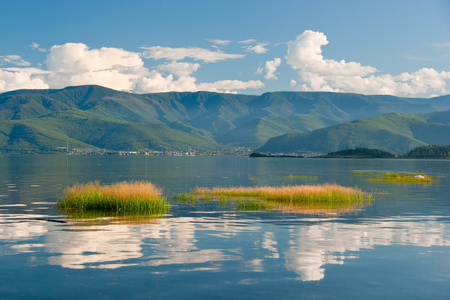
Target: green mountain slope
(85, 129)
(274, 114)
(214, 118)
(395, 132)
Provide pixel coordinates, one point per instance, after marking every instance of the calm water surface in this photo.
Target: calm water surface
(396, 248)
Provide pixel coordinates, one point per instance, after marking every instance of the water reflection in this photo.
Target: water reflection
(207, 243)
(16, 231)
(103, 248)
(171, 242)
(331, 243)
(247, 252)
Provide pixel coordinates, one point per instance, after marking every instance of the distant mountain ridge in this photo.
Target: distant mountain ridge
(395, 132)
(94, 116)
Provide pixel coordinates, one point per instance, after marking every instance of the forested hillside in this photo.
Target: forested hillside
(93, 116)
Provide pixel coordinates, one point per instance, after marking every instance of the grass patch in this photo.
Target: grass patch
(361, 173)
(403, 178)
(300, 177)
(122, 198)
(322, 199)
(185, 198)
(250, 205)
(325, 194)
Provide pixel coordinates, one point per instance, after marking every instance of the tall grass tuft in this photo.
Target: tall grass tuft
(325, 194)
(122, 198)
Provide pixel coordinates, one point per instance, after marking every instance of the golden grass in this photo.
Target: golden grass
(297, 194)
(121, 190)
(139, 197)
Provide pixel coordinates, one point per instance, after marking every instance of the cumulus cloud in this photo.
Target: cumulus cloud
(156, 82)
(21, 78)
(76, 64)
(176, 54)
(13, 60)
(179, 68)
(270, 67)
(319, 74)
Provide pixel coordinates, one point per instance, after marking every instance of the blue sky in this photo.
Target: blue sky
(251, 47)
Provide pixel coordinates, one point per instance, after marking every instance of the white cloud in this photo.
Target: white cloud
(249, 41)
(220, 42)
(179, 68)
(21, 78)
(254, 46)
(155, 82)
(37, 47)
(318, 74)
(230, 85)
(270, 67)
(177, 54)
(13, 60)
(76, 64)
(258, 48)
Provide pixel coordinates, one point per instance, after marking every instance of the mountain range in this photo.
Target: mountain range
(397, 133)
(98, 117)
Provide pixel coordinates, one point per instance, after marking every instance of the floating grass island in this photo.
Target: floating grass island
(403, 178)
(326, 196)
(122, 198)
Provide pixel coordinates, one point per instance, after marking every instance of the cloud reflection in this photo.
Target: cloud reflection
(204, 243)
(331, 242)
(13, 229)
(170, 242)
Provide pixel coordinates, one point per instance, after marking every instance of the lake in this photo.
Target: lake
(398, 247)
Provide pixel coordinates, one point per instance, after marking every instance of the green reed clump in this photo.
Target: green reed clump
(184, 198)
(403, 178)
(122, 198)
(253, 205)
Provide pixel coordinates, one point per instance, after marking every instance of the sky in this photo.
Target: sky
(393, 47)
